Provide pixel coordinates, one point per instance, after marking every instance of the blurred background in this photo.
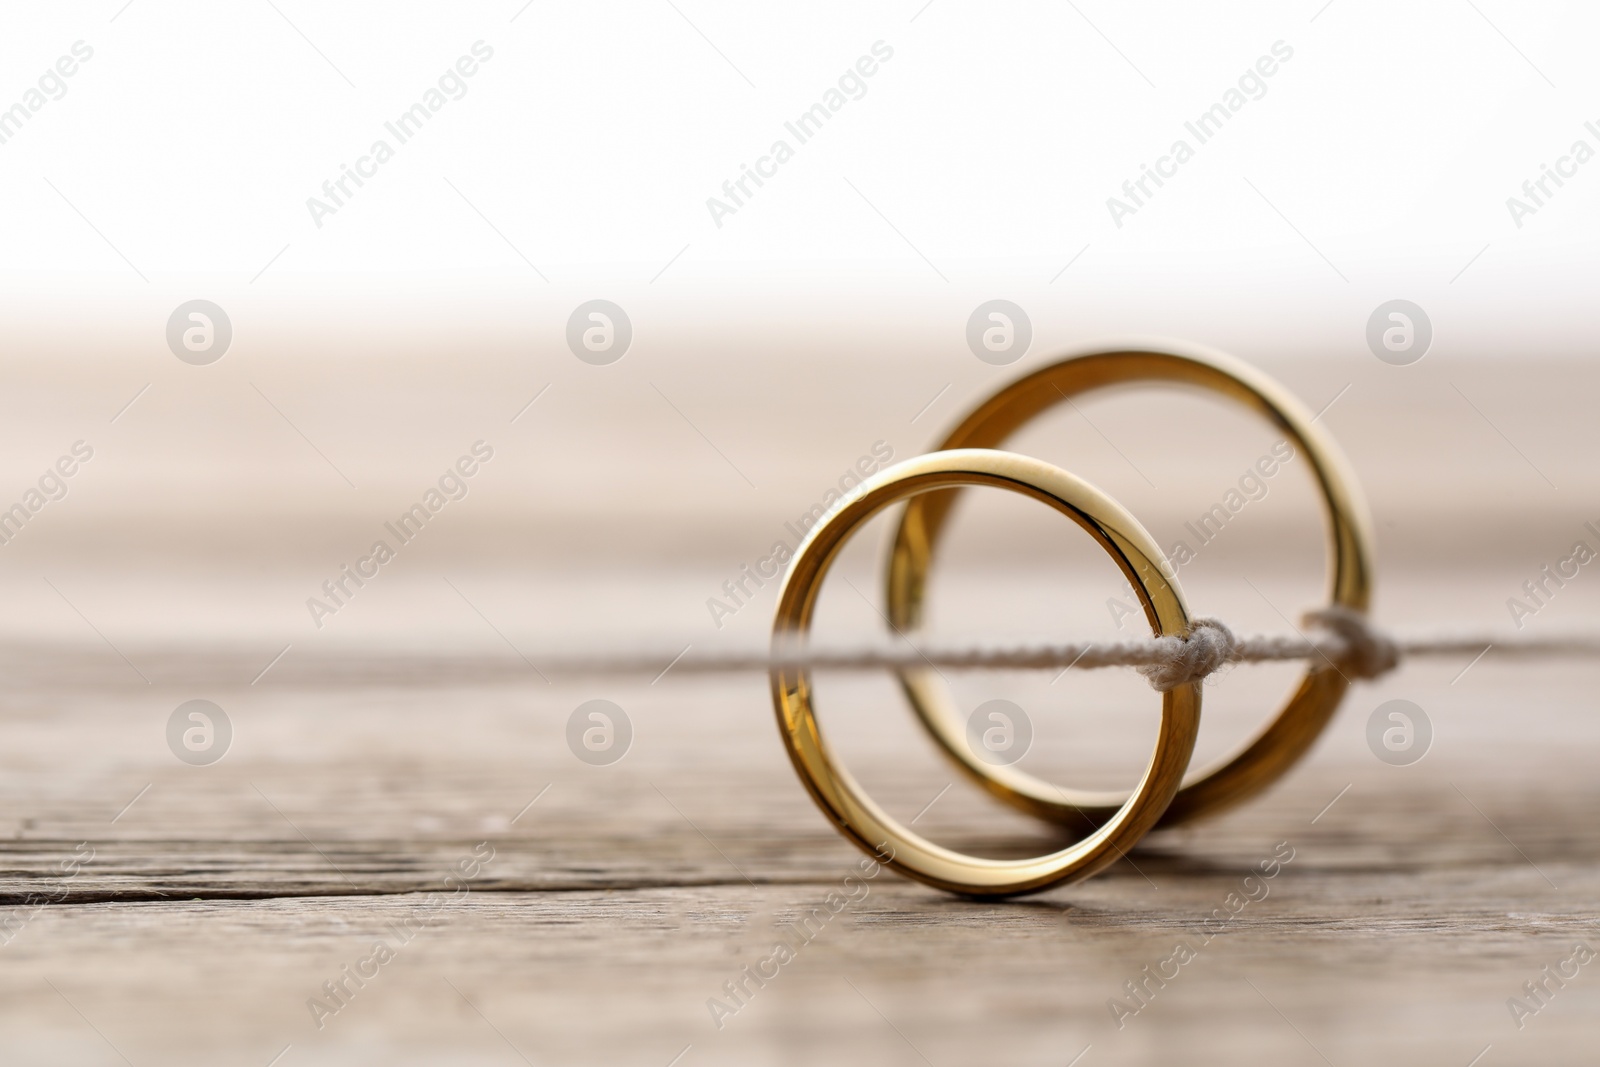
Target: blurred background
(770, 347)
(541, 164)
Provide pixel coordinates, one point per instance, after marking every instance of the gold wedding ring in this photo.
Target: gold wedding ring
(1297, 725)
(831, 785)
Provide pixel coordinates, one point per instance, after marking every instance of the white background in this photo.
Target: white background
(991, 142)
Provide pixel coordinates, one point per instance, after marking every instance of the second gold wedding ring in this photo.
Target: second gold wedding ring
(1297, 724)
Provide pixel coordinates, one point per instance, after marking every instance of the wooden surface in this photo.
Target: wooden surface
(375, 751)
(221, 899)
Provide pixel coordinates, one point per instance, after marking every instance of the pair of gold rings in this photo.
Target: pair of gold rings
(968, 456)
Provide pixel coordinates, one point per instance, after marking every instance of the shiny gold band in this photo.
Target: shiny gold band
(1295, 728)
(838, 794)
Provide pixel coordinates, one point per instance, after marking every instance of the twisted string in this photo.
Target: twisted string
(1332, 639)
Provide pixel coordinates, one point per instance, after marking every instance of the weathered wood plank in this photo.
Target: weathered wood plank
(219, 899)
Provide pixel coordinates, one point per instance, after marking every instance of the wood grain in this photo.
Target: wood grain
(219, 901)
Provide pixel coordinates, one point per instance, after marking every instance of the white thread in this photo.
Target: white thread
(1207, 649)
(1339, 639)
(1368, 651)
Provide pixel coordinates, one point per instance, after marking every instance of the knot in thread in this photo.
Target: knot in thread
(1207, 646)
(1368, 652)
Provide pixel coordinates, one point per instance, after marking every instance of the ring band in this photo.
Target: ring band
(1296, 726)
(837, 792)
